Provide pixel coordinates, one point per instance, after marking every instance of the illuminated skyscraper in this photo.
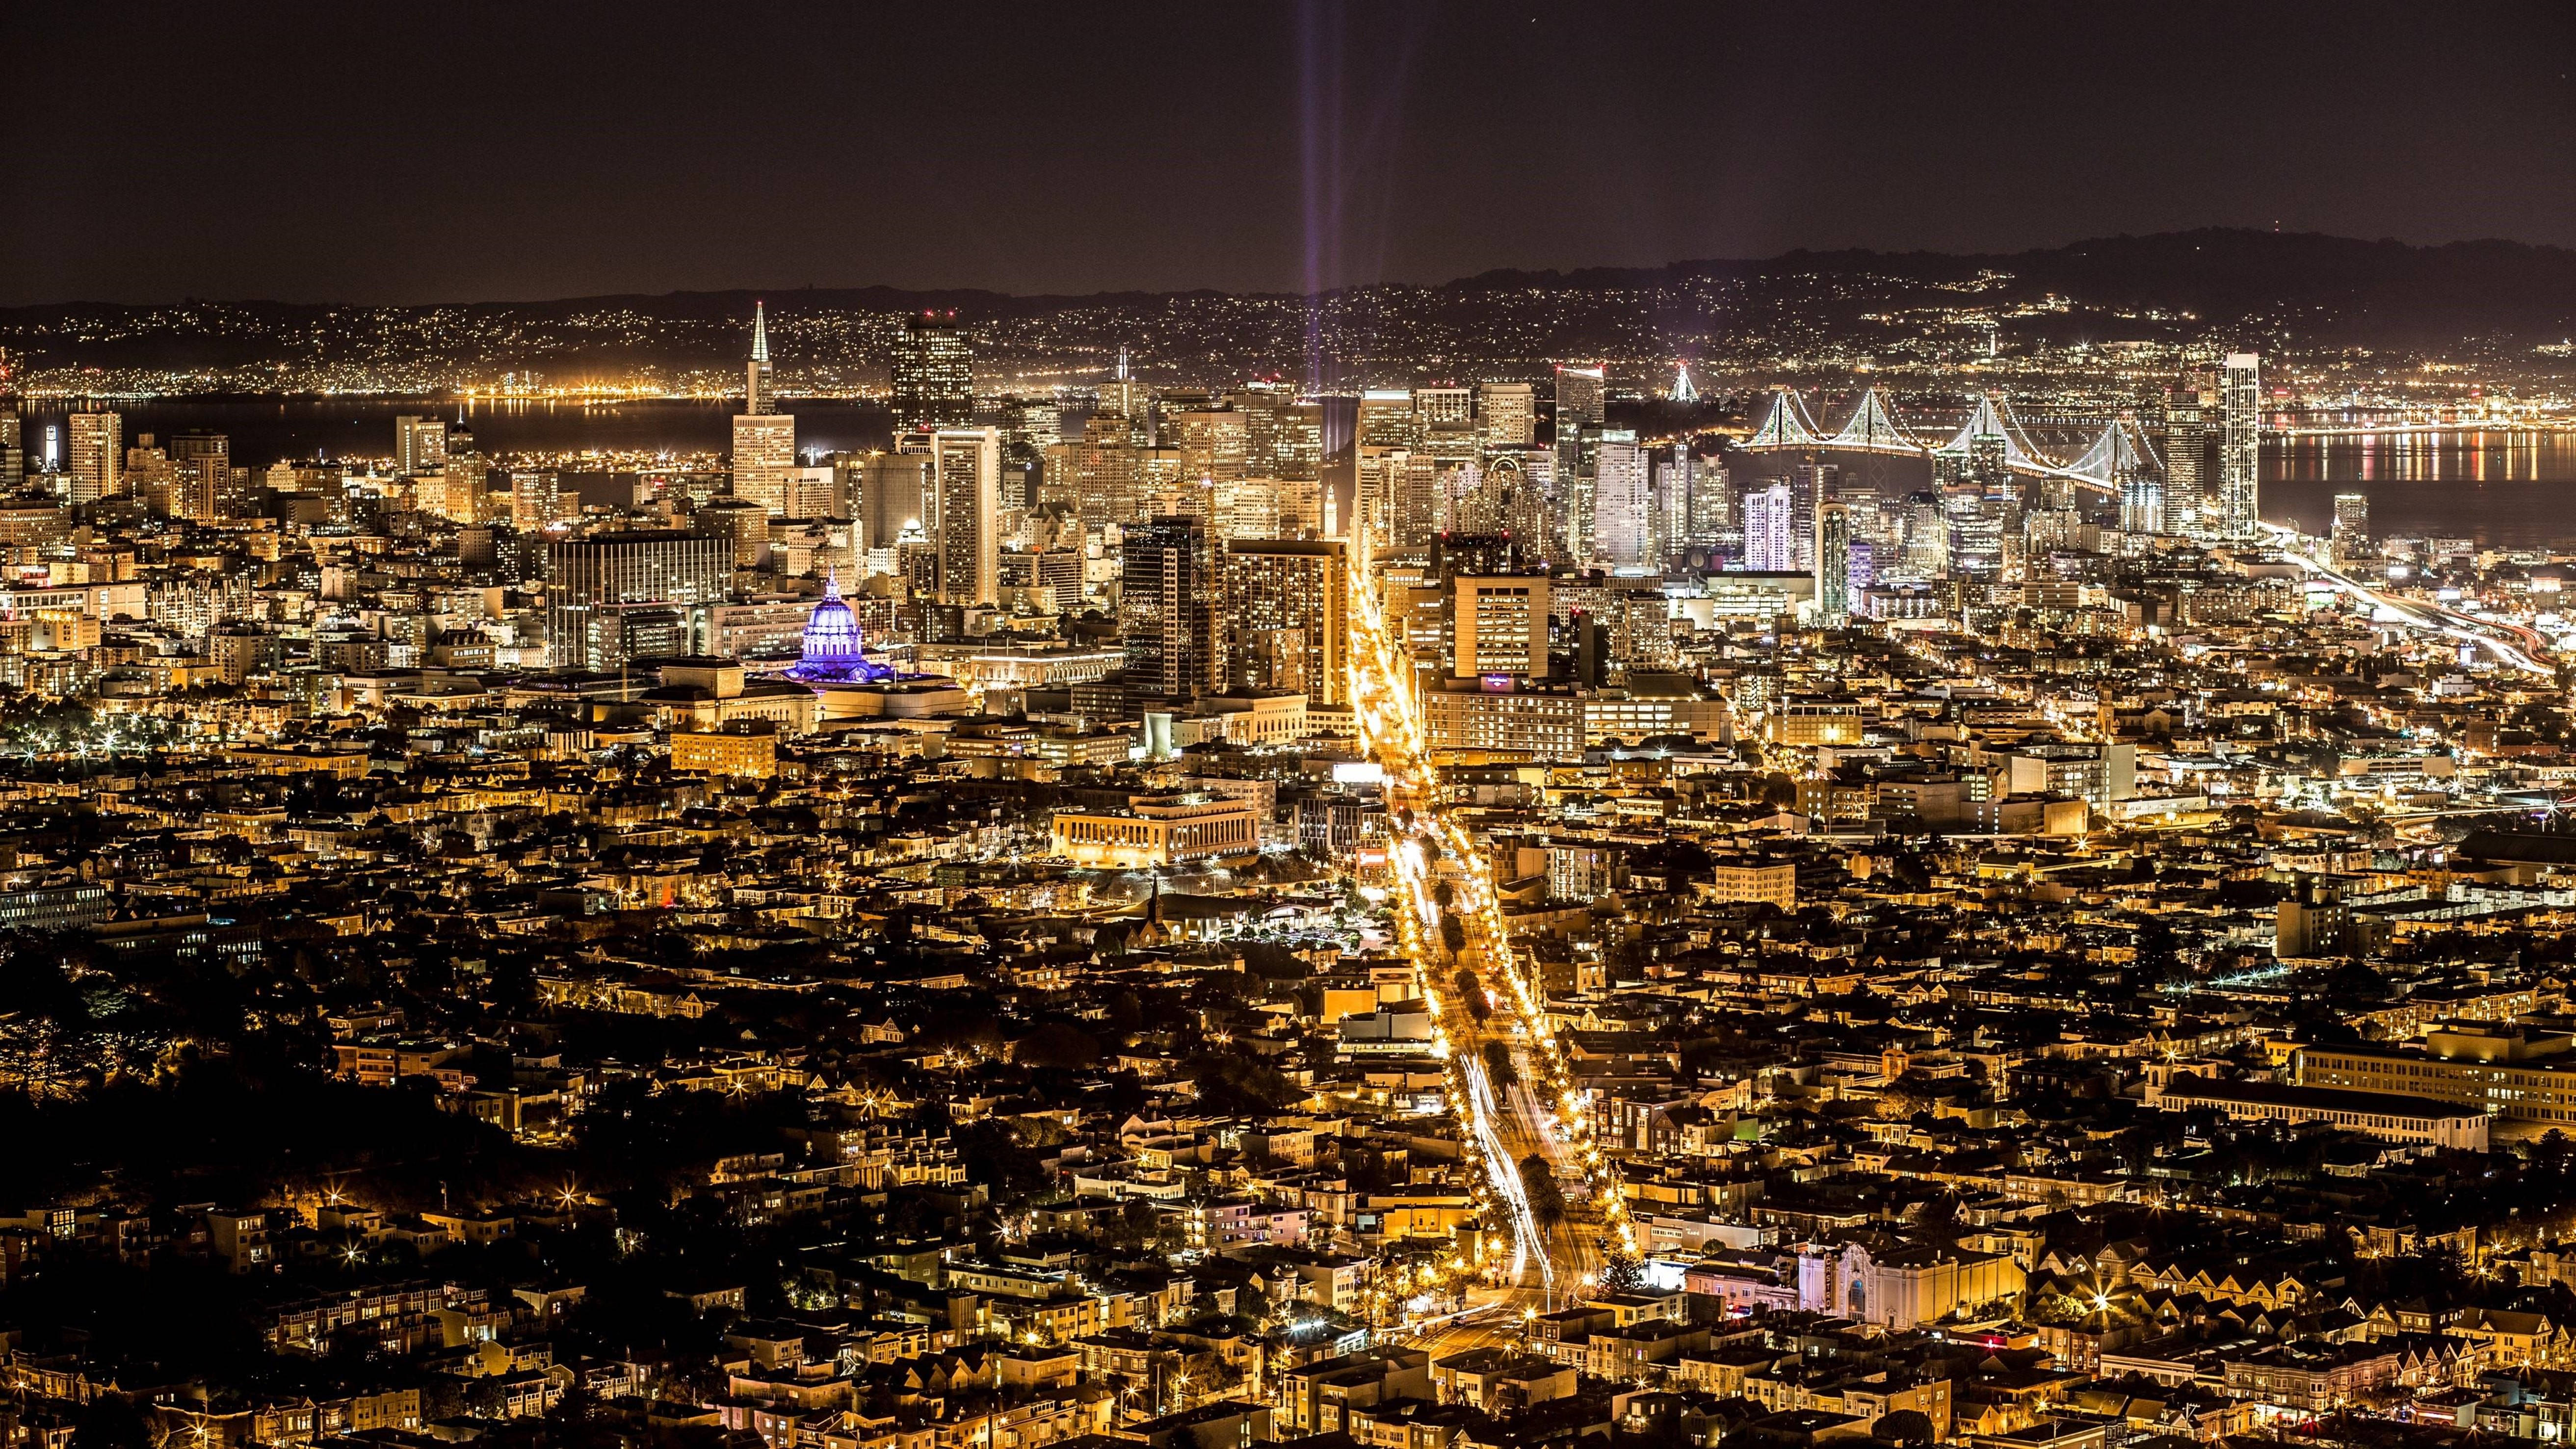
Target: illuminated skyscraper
(1833, 563)
(1770, 530)
(2240, 457)
(2351, 537)
(97, 447)
(764, 442)
(1506, 414)
(615, 597)
(2142, 502)
(1499, 625)
(2187, 493)
(1286, 621)
(1167, 607)
(968, 477)
(1581, 402)
(1581, 395)
(1622, 503)
(764, 454)
(420, 446)
(934, 374)
(756, 396)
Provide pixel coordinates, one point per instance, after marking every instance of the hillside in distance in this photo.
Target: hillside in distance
(2231, 286)
(2335, 289)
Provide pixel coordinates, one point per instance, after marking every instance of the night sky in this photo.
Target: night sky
(374, 152)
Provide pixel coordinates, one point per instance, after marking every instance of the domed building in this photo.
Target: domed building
(833, 651)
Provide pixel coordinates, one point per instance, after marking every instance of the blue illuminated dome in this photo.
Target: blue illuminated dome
(833, 651)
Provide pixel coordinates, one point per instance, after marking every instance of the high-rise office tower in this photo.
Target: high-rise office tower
(1582, 395)
(1581, 408)
(201, 466)
(2142, 502)
(13, 448)
(1286, 616)
(1283, 438)
(1712, 502)
(968, 478)
(756, 396)
(934, 374)
(1125, 398)
(1507, 414)
(895, 490)
(420, 446)
(1214, 442)
(1167, 607)
(1444, 407)
(1499, 625)
(1623, 533)
(97, 448)
(2187, 508)
(1975, 520)
(764, 442)
(764, 454)
(1810, 485)
(2241, 458)
(1417, 498)
(538, 500)
(147, 472)
(2351, 533)
(1106, 483)
(1833, 563)
(1770, 530)
(1673, 474)
(615, 597)
(1386, 419)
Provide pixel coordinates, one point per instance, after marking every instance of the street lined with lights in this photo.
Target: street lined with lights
(1548, 1113)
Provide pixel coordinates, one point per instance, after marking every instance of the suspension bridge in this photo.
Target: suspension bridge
(2118, 453)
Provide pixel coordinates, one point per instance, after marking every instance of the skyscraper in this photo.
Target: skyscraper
(1770, 531)
(2240, 459)
(614, 597)
(764, 442)
(1105, 469)
(1167, 606)
(1621, 503)
(1283, 438)
(13, 447)
(1286, 621)
(1581, 395)
(1499, 625)
(968, 477)
(1506, 414)
(2142, 502)
(764, 454)
(1125, 398)
(1581, 402)
(894, 495)
(1810, 486)
(2351, 536)
(2187, 509)
(934, 374)
(420, 446)
(1712, 502)
(756, 396)
(201, 464)
(97, 447)
(1833, 563)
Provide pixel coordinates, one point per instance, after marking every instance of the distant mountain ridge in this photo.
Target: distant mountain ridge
(2452, 289)
(2215, 282)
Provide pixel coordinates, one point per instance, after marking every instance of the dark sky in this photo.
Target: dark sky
(378, 152)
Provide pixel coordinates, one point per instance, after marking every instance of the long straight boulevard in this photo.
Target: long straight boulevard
(1539, 1258)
